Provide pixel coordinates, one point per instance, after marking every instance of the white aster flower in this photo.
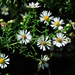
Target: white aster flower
(43, 62)
(4, 60)
(4, 10)
(59, 40)
(72, 23)
(68, 40)
(32, 5)
(61, 28)
(46, 16)
(57, 22)
(43, 43)
(24, 37)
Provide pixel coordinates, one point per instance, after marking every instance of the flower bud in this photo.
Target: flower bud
(21, 23)
(1, 20)
(68, 25)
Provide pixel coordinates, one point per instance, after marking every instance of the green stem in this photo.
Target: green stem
(46, 30)
(49, 71)
(9, 45)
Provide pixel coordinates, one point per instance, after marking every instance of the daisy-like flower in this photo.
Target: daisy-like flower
(43, 62)
(61, 28)
(59, 40)
(4, 10)
(43, 43)
(57, 22)
(32, 5)
(24, 37)
(72, 23)
(68, 40)
(4, 60)
(46, 17)
(3, 24)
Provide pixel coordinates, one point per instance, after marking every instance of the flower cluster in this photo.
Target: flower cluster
(27, 35)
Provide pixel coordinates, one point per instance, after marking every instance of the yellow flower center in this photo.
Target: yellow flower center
(73, 23)
(4, 10)
(46, 18)
(68, 40)
(43, 43)
(59, 39)
(24, 37)
(1, 61)
(57, 23)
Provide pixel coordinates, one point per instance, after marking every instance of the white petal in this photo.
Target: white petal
(39, 65)
(5, 65)
(41, 57)
(29, 37)
(20, 41)
(6, 9)
(46, 38)
(46, 65)
(21, 32)
(51, 17)
(3, 12)
(6, 13)
(44, 48)
(49, 13)
(41, 19)
(6, 57)
(42, 38)
(2, 66)
(19, 37)
(28, 34)
(27, 41)
(41, 46)
(7, 60)
(42, 66)
(73, 27)
(48, 47)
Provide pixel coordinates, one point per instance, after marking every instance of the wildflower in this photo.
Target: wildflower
(4, 60)
(59, 40)
(32, 5)
(45, 16)
(43, 62)
(4, 10)
(43, 43)
(24, 37)
(61, 28)
(3, 24)
(68, 40)
(57, 22)
(72, 23)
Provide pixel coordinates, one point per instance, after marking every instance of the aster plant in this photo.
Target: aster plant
(30, 34)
